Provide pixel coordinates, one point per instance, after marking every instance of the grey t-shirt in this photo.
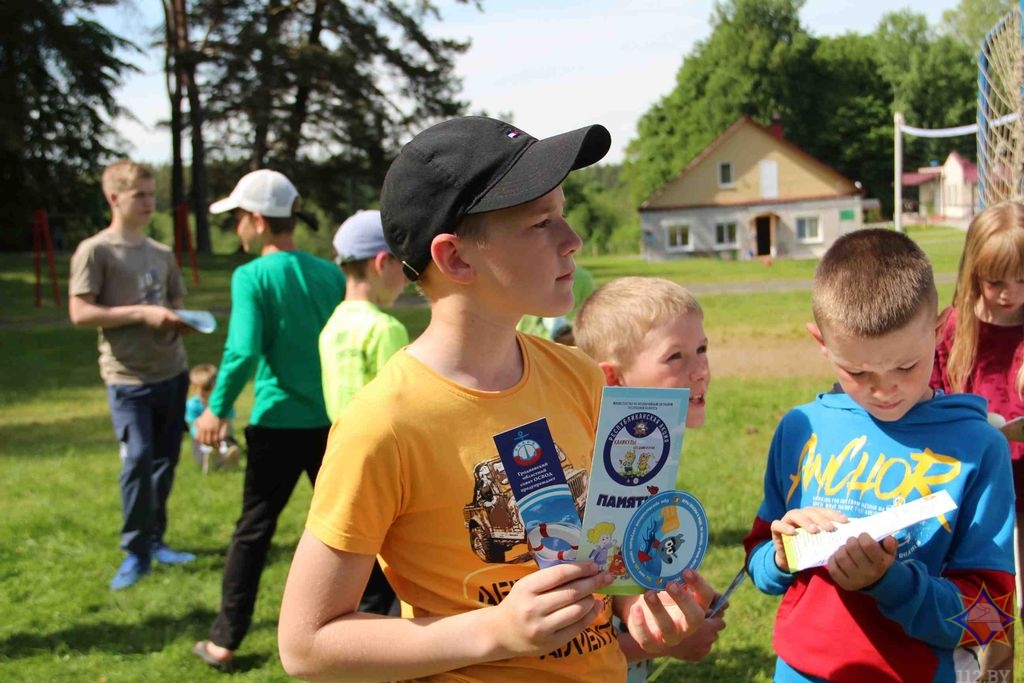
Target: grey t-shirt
(117, 273)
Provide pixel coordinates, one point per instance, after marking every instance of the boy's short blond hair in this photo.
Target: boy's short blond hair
(872, 282)
(614, 320)
(122, 175)
(203, 377)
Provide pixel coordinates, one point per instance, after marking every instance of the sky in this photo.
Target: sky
(552, 65)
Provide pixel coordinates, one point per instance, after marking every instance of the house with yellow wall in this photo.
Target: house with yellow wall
(750, 193)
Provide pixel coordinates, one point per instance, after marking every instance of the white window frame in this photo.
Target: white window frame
(670, 227)
(732, 178)
(819, 239)
(735, 235)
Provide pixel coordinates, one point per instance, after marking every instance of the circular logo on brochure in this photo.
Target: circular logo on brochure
(636, 449)
(666, 535)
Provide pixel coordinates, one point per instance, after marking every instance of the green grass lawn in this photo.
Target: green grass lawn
(61, 512)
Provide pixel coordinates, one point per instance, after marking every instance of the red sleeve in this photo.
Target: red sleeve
(947, 324)
(1000, 588)
(759, 533)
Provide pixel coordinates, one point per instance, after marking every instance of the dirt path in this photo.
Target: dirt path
(771, 359)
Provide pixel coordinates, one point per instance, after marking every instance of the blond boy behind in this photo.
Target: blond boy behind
(649, 332)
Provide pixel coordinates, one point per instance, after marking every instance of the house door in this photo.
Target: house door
(763, 227)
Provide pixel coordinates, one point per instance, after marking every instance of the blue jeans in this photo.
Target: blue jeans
(148, 422)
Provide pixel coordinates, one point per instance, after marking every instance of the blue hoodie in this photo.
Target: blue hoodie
(832, 453)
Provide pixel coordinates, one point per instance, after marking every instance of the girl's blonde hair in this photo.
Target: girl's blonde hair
(993, 250)
(600, 529)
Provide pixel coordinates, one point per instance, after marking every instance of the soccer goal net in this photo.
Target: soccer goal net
(1000, 124)
(1000, 103)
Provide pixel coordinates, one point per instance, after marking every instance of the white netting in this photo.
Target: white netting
(1000, 105)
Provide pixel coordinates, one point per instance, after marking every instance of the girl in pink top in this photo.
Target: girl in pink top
(981, 343)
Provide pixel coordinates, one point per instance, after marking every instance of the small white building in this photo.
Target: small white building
(946, 191)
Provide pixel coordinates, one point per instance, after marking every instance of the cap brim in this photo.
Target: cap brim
(544, 165)
(222, 205)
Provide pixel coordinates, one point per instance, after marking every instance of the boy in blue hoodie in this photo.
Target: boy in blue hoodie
(893, 610)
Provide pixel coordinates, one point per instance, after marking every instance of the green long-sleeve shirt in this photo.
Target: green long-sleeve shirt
(279, 304)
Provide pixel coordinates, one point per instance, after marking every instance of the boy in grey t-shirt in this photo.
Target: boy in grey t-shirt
(127, 285)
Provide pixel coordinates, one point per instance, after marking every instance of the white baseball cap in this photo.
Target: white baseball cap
(265, 192)
(360, 237)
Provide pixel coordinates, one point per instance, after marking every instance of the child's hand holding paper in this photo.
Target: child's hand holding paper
(810, 536)
(862, 561)
(809, 520)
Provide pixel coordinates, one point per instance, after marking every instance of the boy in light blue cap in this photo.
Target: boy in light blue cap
(359, 337)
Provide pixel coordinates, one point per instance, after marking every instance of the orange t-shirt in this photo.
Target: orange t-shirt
(411, 472)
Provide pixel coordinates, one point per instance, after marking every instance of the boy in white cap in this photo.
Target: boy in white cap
(279, 303)
(474, 210)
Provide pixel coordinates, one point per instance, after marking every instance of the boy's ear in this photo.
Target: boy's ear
(816, 333)
(445, 251)
(612, 377)
(380, 261)
(260, 222)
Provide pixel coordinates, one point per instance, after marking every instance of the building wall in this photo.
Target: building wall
(834, 216)
(798, 175)
(957, 195)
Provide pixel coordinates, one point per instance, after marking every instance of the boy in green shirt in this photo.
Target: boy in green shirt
(279, 303)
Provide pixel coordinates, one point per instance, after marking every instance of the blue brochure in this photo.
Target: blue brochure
(636, 457)
(543, 497)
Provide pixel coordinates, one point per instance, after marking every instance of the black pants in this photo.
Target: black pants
(275, 461)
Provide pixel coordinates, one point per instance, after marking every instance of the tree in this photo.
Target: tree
(323, 90)
(598, 208)
(755, 63)
(971, 20)
(180, 70)
(836, 96)
(58, 70)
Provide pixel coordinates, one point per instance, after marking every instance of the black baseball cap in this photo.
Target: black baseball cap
(470, 165)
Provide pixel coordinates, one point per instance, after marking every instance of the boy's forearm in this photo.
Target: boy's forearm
(924, 605)
(361, 647)
(235, 371)
(88, 314)
(765, 573)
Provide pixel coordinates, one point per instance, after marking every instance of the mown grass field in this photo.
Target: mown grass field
(61, 512)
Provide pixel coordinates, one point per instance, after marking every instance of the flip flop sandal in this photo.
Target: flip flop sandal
(200, 650)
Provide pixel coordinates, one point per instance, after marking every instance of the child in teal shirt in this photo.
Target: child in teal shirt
(225, 455)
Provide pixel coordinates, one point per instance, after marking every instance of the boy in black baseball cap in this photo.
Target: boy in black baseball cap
(474, 210)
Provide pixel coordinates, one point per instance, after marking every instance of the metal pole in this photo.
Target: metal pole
(897, 180)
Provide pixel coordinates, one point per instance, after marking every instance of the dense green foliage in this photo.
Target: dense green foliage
(835, 95)
(323, 90)
(58, 72)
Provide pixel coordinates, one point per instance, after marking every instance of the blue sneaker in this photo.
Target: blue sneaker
(166, 555)
(132, 568)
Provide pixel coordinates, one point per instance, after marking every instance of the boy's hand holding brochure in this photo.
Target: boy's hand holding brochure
(856, 552)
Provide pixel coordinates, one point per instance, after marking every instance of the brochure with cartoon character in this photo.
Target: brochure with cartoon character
(542, 494)
(636, 457)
